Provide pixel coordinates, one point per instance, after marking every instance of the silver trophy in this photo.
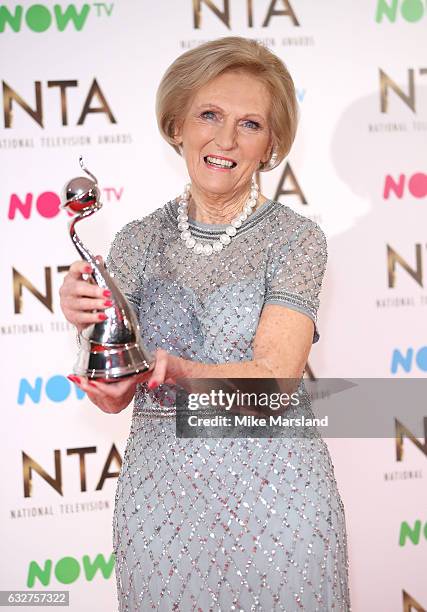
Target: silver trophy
(112, 349)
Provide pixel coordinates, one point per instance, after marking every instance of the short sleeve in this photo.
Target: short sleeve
(126, 257)
(296, 269)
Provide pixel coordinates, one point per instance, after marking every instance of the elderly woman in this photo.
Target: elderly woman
(225, 283)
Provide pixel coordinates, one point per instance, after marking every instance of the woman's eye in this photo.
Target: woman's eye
(208, 114)
(248, 123)
(253, 125)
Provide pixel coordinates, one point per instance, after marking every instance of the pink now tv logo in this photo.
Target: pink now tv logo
(48, 203)
(415, 185)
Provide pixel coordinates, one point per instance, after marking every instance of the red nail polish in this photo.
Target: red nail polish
(74, 379)
(88, 269)
(102, 316)
(152, 384)
(106, 293)
(92, 384)
(108, 303)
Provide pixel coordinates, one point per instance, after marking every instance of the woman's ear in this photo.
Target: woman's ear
(177, 133)
(268, 152)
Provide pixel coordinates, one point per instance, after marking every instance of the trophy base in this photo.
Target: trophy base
(111, 363)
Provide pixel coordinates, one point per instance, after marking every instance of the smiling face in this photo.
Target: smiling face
(225, 133)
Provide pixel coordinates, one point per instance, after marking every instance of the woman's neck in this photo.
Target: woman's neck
(218, 209)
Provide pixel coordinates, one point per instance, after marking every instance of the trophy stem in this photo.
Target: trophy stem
(87, 255)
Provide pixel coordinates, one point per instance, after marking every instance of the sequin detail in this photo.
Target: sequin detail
(222, 524)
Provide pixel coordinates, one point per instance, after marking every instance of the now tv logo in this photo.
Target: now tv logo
(48, 203)
(410, 10)
(412, 533)
(69, 569)
(56, 388)
(39, 17)
(415, 185)
(408, 360)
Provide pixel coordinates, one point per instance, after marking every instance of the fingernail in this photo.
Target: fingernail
(152, 384)
(106, 293)
(108, 303)
(74, 379)
(88, 269)
(92, 384)
(102, 316)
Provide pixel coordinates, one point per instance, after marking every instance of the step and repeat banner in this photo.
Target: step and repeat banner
(80, 79)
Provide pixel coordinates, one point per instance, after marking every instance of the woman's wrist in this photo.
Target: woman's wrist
(185, 368)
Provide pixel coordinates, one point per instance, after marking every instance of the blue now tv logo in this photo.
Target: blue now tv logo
(409, 359)
(57, 389)
(40, 17)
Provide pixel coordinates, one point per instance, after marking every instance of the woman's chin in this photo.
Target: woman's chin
(219, 182)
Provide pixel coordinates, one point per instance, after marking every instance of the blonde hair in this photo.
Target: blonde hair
(197, 67)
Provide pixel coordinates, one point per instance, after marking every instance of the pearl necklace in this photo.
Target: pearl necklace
(231, 230)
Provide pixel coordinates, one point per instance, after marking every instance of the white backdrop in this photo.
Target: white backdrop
(81, 79)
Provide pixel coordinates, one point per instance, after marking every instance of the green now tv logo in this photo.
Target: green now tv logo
(413, 533)
(40, 17)
(69, 569)
(410, 10)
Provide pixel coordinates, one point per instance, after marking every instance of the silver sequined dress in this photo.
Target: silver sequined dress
(222, 523)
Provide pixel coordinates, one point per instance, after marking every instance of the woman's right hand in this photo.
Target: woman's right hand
(80, 298)
(110, 397)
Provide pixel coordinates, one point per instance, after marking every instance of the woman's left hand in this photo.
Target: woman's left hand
(167, 368)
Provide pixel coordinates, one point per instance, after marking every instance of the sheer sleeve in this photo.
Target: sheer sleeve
(126, 259)
(295, 271)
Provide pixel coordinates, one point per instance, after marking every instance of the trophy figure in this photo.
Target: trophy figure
(112, 349)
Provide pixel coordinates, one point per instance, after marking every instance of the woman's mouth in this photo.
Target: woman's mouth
(219, 163)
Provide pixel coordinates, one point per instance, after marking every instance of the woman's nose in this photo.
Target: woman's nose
(225, 137)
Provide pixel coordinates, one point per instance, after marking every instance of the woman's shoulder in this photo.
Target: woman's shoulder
(291, 225)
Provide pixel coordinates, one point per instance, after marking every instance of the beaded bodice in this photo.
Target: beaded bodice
(207, 308)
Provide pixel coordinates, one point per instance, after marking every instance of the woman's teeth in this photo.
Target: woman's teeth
(221, 163)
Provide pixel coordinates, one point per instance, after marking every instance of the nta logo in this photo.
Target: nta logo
(30, 465)
(402, 432)
(39, 18)
(410, 10)
(20, 282)
(410, 604)
(276, 8)
(407, 97)
(10, 96)
(393, 258)
(288, 185)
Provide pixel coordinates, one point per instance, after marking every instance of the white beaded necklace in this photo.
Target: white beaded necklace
(231, 230)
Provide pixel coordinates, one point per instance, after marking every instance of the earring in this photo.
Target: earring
(254, 183)
(272, 161)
